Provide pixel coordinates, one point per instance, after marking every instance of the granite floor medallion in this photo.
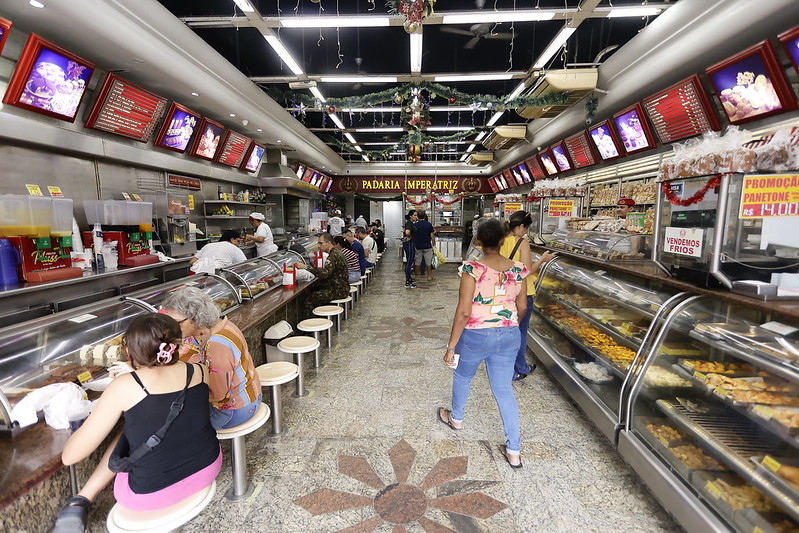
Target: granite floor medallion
(399, 502)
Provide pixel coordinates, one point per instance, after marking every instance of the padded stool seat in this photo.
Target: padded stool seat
(238, 453)
(344, 303)
(273, 375)
(315, 325)
(327, 311)
(369, 274)
(358, 285)
(299, 346)
(122, 520)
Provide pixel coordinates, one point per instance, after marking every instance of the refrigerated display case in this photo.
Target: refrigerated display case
(224, 293)
(305, 246)
(602, 245)
(255, 277)
(730, 442)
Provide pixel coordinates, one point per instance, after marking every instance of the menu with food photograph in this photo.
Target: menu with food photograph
(561, 159)
(49, 80)
(525, 174)
(125, 109)
(789, 40)
(5, 26)
(253, 157)
(751, 85)
(579, 147)
(633, 129)
(681, 111)
(605, 141)
(177, 128)
(208, 139)
(548, 162)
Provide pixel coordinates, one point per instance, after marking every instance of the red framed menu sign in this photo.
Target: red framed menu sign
(633, 129)
(579, 147)
(548, 162)
(605, 141)
(681, 111)
(307, 175)
(492, 182)
(751, 85)
(48, 80)
(558, 151)
(789, 40)
(300, 170)
(233, 148)
(535, 168)
(252, 160)
(177, 128)
(524, 172)
(5, 26)
(207, 141)
(125, 109)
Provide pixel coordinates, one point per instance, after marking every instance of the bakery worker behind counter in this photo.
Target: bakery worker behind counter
(625, 245)
(264, 242)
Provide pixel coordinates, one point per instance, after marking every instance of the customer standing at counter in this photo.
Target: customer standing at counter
(333, 283)
(517, 248)
(187, 458)
(220, 254)
(264, 242)
(492, 294)
(235, 388)
(425, 240)
(335, 224)
(408, 247)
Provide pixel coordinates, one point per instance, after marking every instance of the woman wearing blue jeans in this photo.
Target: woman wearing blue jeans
(492, 295)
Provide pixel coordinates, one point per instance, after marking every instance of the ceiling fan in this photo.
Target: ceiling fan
(477, 32)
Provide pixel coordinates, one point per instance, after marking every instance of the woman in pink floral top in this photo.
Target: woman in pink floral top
(493, 294)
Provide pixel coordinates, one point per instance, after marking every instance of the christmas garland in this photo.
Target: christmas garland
(411, 138)
(673, 199)
(432, 198)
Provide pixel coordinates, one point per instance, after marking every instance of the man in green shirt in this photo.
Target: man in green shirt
(333, 281)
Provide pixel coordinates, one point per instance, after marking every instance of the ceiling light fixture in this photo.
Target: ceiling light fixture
(358, 79)
(278, 141)
(562, 36)
(530, 15)
(633, 11)
(480, 137)
(471, 147)
(365, 158)
(284, 54)
(350, 138)
(244, 5)
(464, 156)
(416, 53)
(317, 93)
(379, 130)
(232, 115)
(450, 128)
(488, 76)
(335, 22)
(258, 130)
(517, 91)
(495, 118)
(35, 3)
(358, 148)
(195, 94)
(336, 120)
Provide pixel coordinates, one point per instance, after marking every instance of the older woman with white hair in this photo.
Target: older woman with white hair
(235, 391)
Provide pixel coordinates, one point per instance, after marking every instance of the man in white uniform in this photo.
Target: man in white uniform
(360, 222)
(335, 224)
(264, 242)
(220, 254)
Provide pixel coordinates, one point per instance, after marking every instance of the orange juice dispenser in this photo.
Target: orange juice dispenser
(122, 222)
(41, 231)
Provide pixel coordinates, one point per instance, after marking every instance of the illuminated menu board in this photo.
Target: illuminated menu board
(233, 149)
(125, 109)
(535, 168)
(493, 184)
(522, 169)
(681, 111)
(561, 159)
(579, 148)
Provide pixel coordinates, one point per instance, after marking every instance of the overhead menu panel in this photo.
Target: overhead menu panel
(580, 150)
(233, 149)
(126, 109)
(681, 111)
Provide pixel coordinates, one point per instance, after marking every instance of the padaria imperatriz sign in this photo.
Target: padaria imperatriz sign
(399, 184)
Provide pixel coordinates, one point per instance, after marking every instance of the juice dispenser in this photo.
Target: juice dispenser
(42, 235)
(121, 221)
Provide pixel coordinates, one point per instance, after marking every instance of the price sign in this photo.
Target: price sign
(126, 196)
(34, 190)
(191, 202)
(512, 207)
(561, 208)
(137, 197)
(55, 192)
(770, 195)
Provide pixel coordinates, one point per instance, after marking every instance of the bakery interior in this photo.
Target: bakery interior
(674, 329)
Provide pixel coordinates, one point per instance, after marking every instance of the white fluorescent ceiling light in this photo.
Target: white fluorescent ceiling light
(334, 22)
(471, 147)
(495, 118)
(488, 76)
(317, 93)
(464, 156)
(379, 130)
(517, 91)
(554, 46)
(635, 11)
(350, 138)
(416, 52)
(359, 79)
(396, 109)
(480, 137)
(336, 120)
(450, 128)
(531, 15)
(244, 5)
(358, 148)
(284, 54)
(365, 158)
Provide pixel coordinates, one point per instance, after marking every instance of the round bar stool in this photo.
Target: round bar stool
(299, 346)
(369, 274)
(315, 325)
(353, 295)
(122, 520)
(364, 280)
(358, 285)
(273, 375)
(344, 303)
(326, 311)
(241, 488)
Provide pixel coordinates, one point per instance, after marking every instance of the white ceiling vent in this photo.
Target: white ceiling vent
(480, 158)
(576, 82)
(504, 136)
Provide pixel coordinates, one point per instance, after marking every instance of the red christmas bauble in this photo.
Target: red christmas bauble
(332, 109)
(452, 100)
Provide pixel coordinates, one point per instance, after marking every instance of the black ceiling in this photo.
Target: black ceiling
(386, 50)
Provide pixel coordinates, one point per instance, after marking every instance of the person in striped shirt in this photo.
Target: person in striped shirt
(353, 264)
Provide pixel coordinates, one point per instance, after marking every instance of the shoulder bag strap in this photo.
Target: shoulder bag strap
(518, 243)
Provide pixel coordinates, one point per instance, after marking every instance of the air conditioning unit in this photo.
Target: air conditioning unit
(505, 136)
(576, 82)
(480, 158)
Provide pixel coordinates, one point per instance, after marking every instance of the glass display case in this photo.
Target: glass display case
(727, 439)
(602, 245)
(305, 246)
(226, 296)
(255, 277)
(74, 345)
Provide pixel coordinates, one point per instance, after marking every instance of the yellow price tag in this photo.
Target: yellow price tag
(55, 192)
(713, 489)
(688, 364)
(605, 319)
(126, 196)
(191, 202)
(137, 197)
(85, 376)
(770, 463)
(700, 376)
(757, 530)
(719, 391)
(626, 328)
(34, 190)
(763, 411)
(664, 441)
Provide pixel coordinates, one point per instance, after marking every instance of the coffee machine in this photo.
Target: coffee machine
(127, 223)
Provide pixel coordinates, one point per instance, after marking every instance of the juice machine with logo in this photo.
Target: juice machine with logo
(127, 223)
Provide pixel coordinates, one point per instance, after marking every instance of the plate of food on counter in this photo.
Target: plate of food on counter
(593, 372)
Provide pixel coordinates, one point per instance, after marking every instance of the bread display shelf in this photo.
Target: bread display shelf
(713, 487)
(735, 441)
(750, 520)
(770, 466)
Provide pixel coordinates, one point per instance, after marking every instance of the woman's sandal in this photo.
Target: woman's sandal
(448, 420)
(504, 451)
(73, 516)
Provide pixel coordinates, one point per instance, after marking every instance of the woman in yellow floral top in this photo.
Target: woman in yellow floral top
(493, 293)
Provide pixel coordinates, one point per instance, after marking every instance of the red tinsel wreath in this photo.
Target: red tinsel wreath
(673, 199)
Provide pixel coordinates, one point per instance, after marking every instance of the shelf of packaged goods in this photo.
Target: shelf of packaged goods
(784, 369)
(734, 440)
(220, 217)
(233, 202)
(624, 340)
(590, 350)
(646, 310)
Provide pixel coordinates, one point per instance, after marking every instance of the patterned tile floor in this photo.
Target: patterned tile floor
(364, 452)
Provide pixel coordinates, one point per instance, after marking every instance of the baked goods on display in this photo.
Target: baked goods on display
(785, 416)
(593, 372)
(604, 195)
(694, 457)
(657, 376)
(665, 432)
(710, 154)
(740, 495)
(223, 303)
(766, 398)
(70, 372)
(716, 367)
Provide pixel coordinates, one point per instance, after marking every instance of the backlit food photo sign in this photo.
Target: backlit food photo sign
(789, 40)
(178, 128)
(5, 26)
(633, 130)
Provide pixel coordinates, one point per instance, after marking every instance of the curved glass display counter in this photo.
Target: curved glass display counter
(602, 245)
(305, 246)
(254, 277)
(226, 296)
(287, 257)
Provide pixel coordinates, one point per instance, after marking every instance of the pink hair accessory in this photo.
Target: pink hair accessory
(165, 352)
